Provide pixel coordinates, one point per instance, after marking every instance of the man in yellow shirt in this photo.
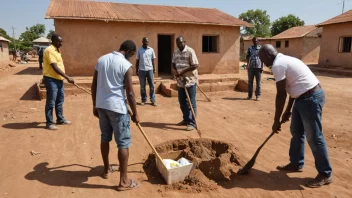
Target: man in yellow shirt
(54, 75)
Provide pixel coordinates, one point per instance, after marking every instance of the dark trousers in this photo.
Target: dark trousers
(254, 72)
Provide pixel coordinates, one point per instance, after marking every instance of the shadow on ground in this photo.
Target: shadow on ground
(272, 181)
(160, 125)
(55, 176)
(24, 125)
(30, 71)
(234, 98)
(31, 93)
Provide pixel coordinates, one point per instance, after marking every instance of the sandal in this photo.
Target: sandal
(133, 185)
(113, 168)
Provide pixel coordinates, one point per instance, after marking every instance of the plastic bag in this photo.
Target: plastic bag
(183, 162)
(169, 164)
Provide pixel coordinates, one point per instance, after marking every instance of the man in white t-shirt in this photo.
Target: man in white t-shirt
(307, 97)
(113, 74)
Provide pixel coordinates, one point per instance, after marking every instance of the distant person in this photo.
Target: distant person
(54, 75)
(145, 70)
(14, 55)
(185, 63)
(40, 57)
(307, 97)
(255, 69)
(112, 77)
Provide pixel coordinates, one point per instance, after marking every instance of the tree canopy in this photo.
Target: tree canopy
(261, 21)
(285, 23)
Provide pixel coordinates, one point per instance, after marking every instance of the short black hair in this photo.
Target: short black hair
(180, 38)
(55, 37)
(254, 38)
(128, 45)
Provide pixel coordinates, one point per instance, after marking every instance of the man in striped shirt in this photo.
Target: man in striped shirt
(185, 63)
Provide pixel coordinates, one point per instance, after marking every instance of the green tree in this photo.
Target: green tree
(285, 23)
(51, 32)
(261, 21)
(4, 34)
(31, 34)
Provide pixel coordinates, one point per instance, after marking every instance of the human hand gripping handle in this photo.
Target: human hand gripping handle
(134, 117)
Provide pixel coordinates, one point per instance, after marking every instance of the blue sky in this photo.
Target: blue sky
(21, 14)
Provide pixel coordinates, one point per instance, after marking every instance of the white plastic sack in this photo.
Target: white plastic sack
(183, 162)
(169, 164)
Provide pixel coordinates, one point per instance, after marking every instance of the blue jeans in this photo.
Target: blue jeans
(54, 98)
(115, 123)
(143, 77)
(254, 72)
(306, 122)
(185, 108)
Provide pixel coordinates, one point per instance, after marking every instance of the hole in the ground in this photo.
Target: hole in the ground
(215, 162)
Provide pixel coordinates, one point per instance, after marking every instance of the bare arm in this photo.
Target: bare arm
(137, 66)
(130, 95)
(61, 73)
(290, 104)
(280, 99)
(94, 93)
(153, 65)
(191, 68)
(94, 87)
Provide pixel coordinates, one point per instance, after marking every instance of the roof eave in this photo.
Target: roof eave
(149, 21)
(325, 24)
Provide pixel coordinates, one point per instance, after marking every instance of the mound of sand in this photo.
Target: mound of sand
(215, 161)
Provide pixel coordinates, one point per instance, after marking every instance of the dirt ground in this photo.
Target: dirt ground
(69, 163)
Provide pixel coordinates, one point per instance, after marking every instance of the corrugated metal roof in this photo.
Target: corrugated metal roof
(343, 18)
(41, 40)
(295, 32)
(69, 9)
(4, 39)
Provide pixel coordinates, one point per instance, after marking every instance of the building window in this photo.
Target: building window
(345, 44)
(278, 44)
(287, 44)
(210, 44)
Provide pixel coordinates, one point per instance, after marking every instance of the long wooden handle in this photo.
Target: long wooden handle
(145, 136)
(203, 93)
(194, 115)
(82, 89)
(139, 126)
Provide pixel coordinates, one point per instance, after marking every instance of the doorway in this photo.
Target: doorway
(164, 55)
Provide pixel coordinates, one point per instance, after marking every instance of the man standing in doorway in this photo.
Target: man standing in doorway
(145, 70)
(307, 97)
(255, 69)
(185, 63)
(112, 77)
(53, 78)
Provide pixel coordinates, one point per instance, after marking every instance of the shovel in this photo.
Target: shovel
(246, 168)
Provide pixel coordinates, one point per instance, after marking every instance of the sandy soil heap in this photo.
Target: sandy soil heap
(216, 161)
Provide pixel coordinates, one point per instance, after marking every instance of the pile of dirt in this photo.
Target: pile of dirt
(214, 162)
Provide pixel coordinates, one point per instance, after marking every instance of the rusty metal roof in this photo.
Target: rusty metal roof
(295, 32)
(343, 18)
(107, 11)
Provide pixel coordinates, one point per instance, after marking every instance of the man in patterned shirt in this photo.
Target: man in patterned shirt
(185, 63)
(255, 69)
